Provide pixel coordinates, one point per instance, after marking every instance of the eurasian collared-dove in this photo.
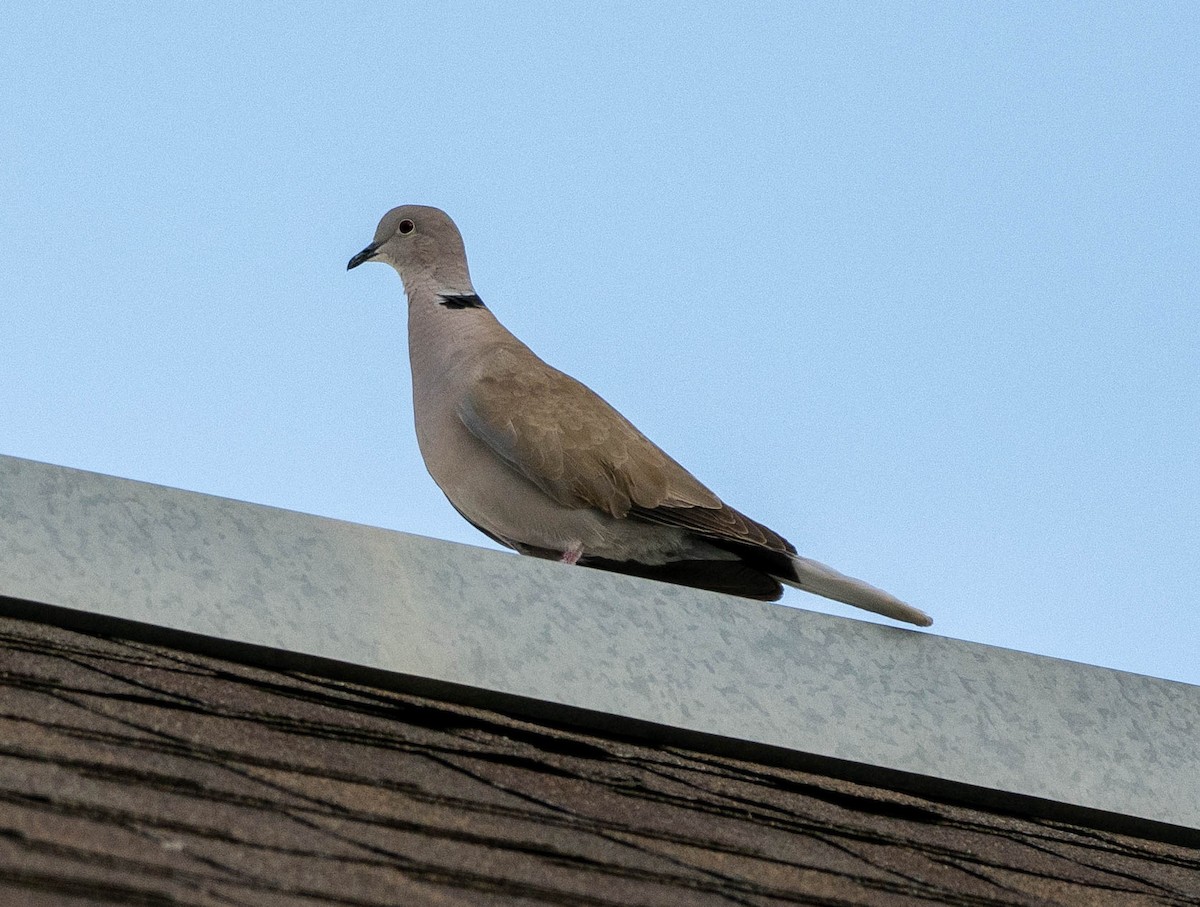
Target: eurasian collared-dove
(540, 463)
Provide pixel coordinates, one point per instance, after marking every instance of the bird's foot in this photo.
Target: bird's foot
(572, 554)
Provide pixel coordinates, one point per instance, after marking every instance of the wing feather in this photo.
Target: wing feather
(580, 451)
(568, 441)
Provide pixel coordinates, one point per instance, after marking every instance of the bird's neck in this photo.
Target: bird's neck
(449, 328)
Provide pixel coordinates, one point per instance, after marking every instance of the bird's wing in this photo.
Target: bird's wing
(580, 451)
(569, 442)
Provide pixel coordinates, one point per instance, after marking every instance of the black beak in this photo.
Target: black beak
(365, 255)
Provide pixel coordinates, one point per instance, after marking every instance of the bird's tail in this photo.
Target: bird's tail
(815, 577)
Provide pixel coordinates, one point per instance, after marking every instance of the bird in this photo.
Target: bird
(541, 464)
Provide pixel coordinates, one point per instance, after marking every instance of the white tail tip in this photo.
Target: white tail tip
(815, 577)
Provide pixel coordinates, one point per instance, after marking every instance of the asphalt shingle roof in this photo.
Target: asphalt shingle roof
(142, 774)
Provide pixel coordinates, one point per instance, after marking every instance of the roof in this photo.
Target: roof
(136, 772)
(596, 649)
(213, 702)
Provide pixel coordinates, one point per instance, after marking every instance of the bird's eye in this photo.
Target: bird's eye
(406, 227)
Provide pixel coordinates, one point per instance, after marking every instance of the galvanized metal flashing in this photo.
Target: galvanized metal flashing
(582, 642)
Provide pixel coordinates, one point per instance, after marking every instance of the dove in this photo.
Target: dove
(540, 463)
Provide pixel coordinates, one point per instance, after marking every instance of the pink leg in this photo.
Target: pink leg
(572, 554)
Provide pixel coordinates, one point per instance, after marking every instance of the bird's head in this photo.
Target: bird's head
(422, 244)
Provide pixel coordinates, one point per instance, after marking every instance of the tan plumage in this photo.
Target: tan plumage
(569, 442)
(541, 463)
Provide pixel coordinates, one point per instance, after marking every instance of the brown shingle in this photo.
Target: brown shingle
(135, 773)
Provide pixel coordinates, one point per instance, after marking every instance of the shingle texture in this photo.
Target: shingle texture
(139, 774)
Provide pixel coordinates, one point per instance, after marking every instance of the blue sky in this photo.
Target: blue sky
(913, 284)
